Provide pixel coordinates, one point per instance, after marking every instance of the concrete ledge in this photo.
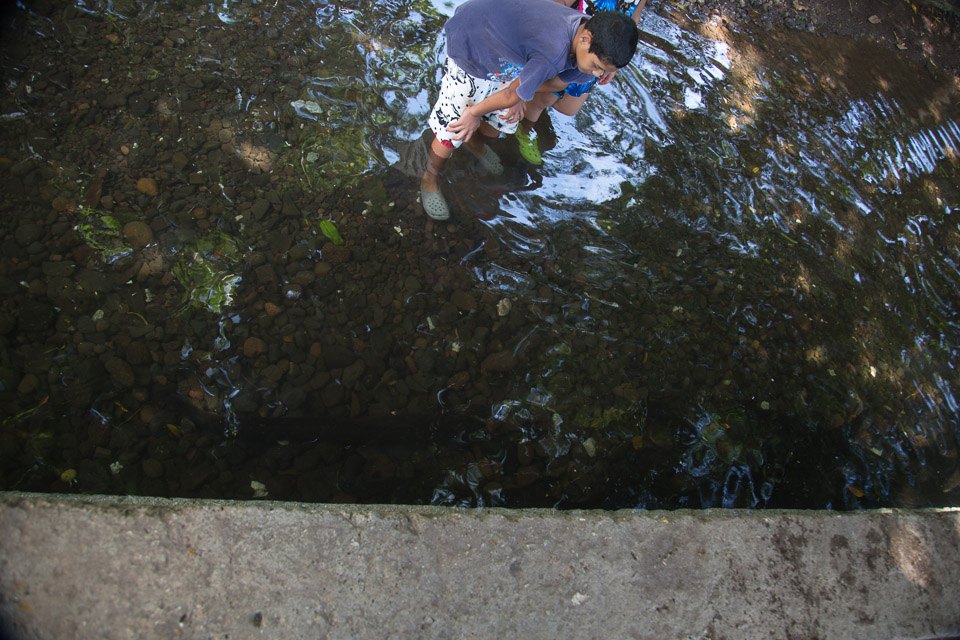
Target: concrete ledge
(114, 567)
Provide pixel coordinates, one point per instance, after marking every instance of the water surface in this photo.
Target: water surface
(732, 283)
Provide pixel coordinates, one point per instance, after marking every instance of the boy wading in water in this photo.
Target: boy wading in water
(569, 101)
(500, 53)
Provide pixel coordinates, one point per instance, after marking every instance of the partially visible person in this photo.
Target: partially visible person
(502, 54)
(569, 101)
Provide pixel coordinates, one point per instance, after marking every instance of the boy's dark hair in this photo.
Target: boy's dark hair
(614, 37)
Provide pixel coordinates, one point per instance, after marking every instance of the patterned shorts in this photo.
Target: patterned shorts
(459, 90)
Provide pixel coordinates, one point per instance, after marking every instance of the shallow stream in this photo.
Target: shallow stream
(733, 282)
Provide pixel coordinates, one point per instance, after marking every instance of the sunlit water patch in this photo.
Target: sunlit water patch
(733, 282)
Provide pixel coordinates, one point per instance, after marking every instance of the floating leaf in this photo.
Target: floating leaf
(874, 19)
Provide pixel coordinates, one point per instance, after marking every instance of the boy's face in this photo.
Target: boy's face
(589, 62)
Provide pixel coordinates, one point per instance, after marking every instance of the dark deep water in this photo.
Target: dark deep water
(732, 283)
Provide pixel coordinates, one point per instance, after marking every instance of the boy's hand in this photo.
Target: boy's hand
(465, 126)
(606, 77)
(515, 113)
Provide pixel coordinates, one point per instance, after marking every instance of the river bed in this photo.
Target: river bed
(732, 283)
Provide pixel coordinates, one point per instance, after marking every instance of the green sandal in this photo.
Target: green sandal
(529, 149)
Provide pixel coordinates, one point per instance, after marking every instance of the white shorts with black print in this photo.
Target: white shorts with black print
(459, 90)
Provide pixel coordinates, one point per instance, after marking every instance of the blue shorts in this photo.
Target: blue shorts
(576, 89)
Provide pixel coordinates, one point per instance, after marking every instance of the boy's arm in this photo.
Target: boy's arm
(469, 120)
(551, 85)
(636, 12)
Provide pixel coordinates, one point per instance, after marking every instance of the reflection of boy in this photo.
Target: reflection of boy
(501, 53)
(570, 100)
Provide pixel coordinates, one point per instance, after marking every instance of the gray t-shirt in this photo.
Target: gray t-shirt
(502, 40)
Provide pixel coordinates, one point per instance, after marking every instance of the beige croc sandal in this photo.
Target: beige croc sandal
(489, 161)
(434, 205)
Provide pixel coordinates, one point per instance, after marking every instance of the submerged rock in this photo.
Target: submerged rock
(138, 233)
(148, 186)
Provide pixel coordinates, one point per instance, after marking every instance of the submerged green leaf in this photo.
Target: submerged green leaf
(330, 231)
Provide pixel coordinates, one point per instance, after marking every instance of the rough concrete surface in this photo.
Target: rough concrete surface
(113, 567)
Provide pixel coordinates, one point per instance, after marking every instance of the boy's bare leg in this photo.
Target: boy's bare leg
(541, 101)
(437, 157)
(571, 105)
(438, 154)
(480, 138)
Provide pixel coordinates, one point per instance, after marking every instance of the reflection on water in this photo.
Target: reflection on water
(733, 282)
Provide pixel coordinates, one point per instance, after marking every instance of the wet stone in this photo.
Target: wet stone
(336, 254)
(253, 347)
(424, 360)
(60, 269)
(259, 208)
(194, 478)
(152, 468)
(8, 286)
(338, 357)
(10, 248)
(245, 402)
(120, 372)
(94, 281)
(179, 161)
(273, 373)
(266, 274)
(501, 361)
(333, 394)
(304, 278)
(28, 233)
(291, 208)
(94, 476)
(7, 323)
(37, 249)
(137, 353)
(464, 300)
(298, 252)
(293, 398)
(353, 373)
(36, 315)
(411, 284)
(28, 384)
